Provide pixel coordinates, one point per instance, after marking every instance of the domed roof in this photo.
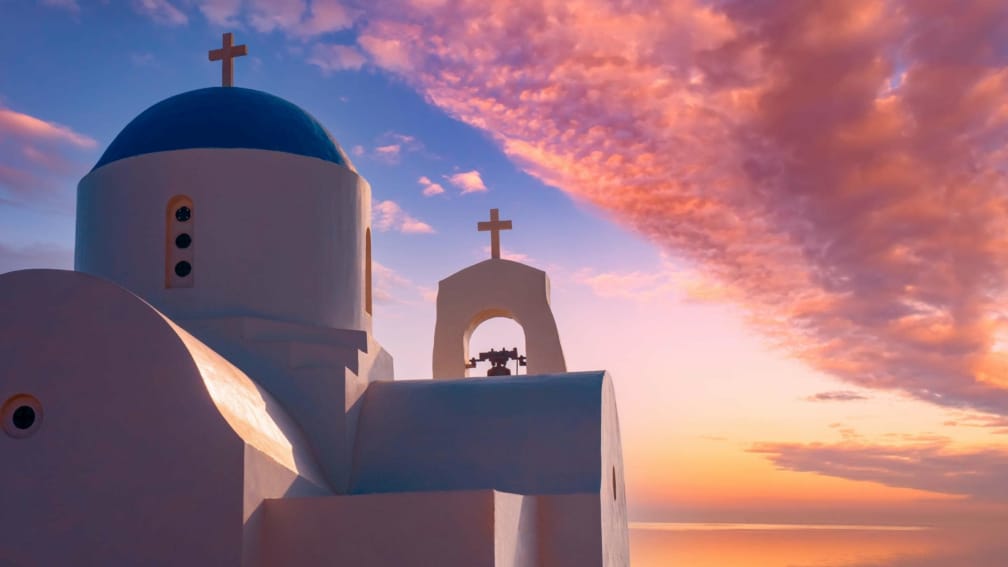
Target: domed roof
(225, 117)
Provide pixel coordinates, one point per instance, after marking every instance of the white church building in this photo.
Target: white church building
(204, 387)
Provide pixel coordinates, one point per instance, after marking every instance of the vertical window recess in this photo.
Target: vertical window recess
(179, 242)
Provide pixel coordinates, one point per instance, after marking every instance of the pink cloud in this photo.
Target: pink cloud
(388, 215)
(38, 158)
(25, 127)
(467, 181)
(430, 188)
(836, 168)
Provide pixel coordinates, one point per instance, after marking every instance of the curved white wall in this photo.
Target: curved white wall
(277, 235)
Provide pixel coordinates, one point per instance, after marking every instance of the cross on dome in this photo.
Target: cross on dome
(226, 54)
(494, 225)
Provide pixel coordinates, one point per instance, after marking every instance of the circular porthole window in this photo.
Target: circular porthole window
(183, 269)
(21, 416)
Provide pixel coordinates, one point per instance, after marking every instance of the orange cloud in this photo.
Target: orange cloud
(837, 168)
(930, 466)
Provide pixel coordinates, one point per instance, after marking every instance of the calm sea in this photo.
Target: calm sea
(773, 545)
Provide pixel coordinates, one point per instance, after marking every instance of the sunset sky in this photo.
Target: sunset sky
(781, 226)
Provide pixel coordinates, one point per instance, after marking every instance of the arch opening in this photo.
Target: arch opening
(497, 331)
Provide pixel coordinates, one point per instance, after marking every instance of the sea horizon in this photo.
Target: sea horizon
(760, 526)
(730, 544)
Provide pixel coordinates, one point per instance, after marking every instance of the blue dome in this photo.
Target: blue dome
(225, 117)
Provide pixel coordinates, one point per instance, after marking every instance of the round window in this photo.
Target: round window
(21, 416)
(183, 240)
(183, 269)
(182, 214)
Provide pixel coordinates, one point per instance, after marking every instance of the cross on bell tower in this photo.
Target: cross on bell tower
(226, 54)
(494, 225)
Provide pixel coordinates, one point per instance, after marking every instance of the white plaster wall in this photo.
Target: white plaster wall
(132, 464)
(570, 533)
(143, 454)
(615, 527)
(525, 435)
(277, 235)
(516, 530)
(264, 478)
(495, 288)
(318, 374)
(444, 529)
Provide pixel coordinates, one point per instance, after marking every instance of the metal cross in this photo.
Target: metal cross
(227, 53)
(494, 225)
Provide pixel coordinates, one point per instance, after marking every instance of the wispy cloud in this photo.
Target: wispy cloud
(468, 181)
(25, 127)
(388, 152)
(220, 12)
(388, 215)
(839, 396)
(809, 159)
(935, 467)
(37, 157)
(161, 11)
(391, 287)
(297, 18)
(998, 424)
(330, 58)
(429, 187)
(390, 147)
(665, 282)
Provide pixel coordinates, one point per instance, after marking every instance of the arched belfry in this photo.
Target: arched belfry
(495, 288)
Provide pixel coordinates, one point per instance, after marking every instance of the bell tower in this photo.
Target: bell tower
(495, 288)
